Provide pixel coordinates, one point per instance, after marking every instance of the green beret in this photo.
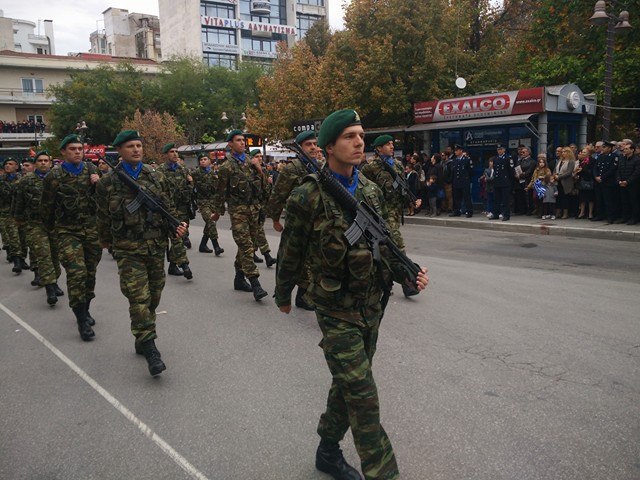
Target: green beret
(42, 152)
(233, 133)
(334, 124)
(28, 160)
(381, 140)
(202, 154)
(10, 159)
(168, 147)
(255, 152)
(305, 136)
(72, 138)
(126, 136)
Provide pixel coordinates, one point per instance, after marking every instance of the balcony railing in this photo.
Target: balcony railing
(17, 95)
(38, 39)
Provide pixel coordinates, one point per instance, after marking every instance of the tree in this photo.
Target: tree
(318, 37)
(156, 129)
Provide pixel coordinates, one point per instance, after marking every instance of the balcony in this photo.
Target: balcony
(16, 96)
(38, 39)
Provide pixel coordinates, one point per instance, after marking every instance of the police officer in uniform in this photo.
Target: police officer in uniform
(69, 210)
(346, 288)
(138, 241)
(180, 185)
(461, 167)
(605, 174)
(503, 168)
(205, 182)
(240, 184)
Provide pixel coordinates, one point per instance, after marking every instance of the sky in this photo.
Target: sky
(73, 21)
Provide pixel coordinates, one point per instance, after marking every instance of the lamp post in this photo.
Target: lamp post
(225, 118)
(614, 24)
(81, 128)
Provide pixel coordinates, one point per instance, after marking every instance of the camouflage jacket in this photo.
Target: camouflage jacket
(7, 191)
(28, 198)
(130, 231)
(239, 184)
(205, 184)
(289, 178)
(376, 172)
(178, 184)
(69, 200)
(344, 278)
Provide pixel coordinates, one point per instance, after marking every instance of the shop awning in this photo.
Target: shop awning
(473, 122)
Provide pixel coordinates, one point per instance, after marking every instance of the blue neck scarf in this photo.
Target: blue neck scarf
(133, 172)
(206, 169)
(172, 166)
(12, 176)
(388, 159)
(41, 174)
(73, 169)
(241, 158)
(350, 184)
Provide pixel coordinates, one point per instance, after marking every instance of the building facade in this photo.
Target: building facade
(225, 32)
(22, 36)
(135, 35)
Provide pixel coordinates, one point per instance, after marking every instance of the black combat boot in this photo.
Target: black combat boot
(257, 259)
(86, 332)
(151, 353)
(409, 291)
(17, 266)
(174, 270)
(270, 260)
(258, 291)
(90, 320)
(52, 298)
(240, 282)
(216, 247)
(329, 459)
(140, 350)
(301, 302)
(24, 264)
(186, 271)
(187, 242)
(203, 245)
(36, 278)
(58, 290)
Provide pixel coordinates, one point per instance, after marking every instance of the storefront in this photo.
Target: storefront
(540, 118)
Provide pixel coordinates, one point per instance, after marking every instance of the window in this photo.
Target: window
(220, 36)
(305, 22)
(220, 60)
(319, 3)
(32, 85)
(35, 118)
(278, 15)
(215, 10)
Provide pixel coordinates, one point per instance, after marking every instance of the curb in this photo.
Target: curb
(542, 228)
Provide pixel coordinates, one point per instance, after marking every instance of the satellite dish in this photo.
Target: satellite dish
(461, 83)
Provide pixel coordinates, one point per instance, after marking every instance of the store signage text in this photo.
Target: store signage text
(247, 25)
(259, 53)
(220, 48)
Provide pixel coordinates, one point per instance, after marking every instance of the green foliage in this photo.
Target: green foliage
(318, 38)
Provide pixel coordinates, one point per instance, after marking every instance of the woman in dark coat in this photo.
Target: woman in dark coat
(585, 182)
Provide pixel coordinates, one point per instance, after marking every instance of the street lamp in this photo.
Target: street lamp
(614, 24)
(225, 118)
(81, 128)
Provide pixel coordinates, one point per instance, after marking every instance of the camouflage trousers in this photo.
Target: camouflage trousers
(353, 396)
(43, 251)
(80, 252)
(25, 247)
(395, 220)
(10, 235)
(206, 209)
(142, 279)
(260, 238)
(244, 227)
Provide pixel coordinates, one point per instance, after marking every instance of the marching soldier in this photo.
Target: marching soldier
(503, 174)
(347, 289)
(394, 198)
(290, 177)
(69, 211)
(205, 182)
(10, 230)
(138, 239)
(240, 184)
(28, 166)
(461, 167)
(42, 243)
(260, 240)
(180, 185)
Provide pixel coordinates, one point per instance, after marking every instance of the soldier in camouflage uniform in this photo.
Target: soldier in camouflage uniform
(260, 239)
(291, 176)
(240, 185)
(394, 199)
(347, 288)
(28, 166)
(139, 241)
(69, 211)
(42, 243)
(10, 230)
(205, 182)
(180, 184)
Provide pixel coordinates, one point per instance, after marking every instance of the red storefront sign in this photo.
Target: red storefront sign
(480, 106)
(93, 151)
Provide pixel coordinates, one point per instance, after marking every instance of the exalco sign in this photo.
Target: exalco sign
(260, 7)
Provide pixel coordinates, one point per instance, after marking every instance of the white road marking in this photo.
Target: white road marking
(115, 403)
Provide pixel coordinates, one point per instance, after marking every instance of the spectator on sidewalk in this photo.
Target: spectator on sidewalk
(487, 179)
(541, 171)
(563, 175)
(585, 182)
(434, 192)
(549, 199)
(528, 165)
(628, 177)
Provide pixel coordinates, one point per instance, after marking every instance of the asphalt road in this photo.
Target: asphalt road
(520, 361)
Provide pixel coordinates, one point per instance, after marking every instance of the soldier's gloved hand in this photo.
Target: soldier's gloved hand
(181, 230)
(94, 178)
(285, 309)
(215, 216)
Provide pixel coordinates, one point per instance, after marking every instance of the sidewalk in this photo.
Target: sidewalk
(534, 225)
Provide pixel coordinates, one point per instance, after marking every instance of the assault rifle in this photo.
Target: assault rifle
(366, 221)
(399, 183)
(143, 197)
